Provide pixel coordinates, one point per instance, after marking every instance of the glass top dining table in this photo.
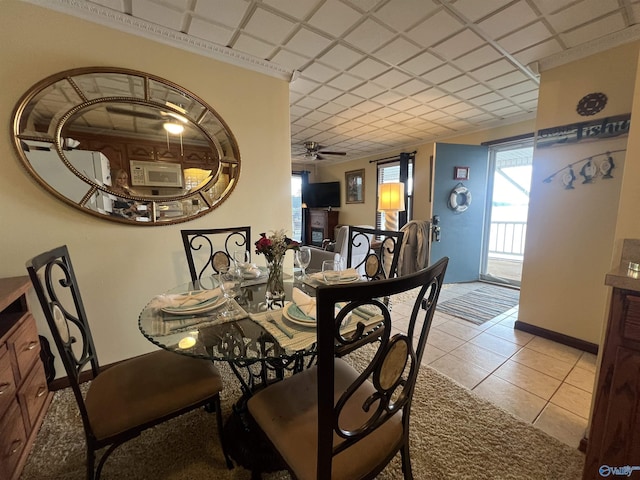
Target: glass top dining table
(251, 332)
(259, 342)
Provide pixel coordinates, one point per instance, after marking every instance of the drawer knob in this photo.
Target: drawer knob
(32, 345)
(16, 446)
(41, 392)
(4, 387)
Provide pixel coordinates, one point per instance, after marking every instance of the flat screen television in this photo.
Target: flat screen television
(322, 195)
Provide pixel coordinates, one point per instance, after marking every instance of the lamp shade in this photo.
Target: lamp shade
(391, 197)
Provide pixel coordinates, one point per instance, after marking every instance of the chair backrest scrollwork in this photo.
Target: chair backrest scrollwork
(56, 287)
(390, 374)
(210, 250)
(382, 261)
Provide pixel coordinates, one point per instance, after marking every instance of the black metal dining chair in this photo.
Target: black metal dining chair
(340, 420)
(123, 400)
(381, 262)
(210, 250)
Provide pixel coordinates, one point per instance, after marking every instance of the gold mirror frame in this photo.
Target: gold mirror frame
(74, 129)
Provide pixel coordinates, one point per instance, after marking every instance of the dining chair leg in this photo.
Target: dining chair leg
(406, 462)
(223, 445)
(91, 459)
(256, 475)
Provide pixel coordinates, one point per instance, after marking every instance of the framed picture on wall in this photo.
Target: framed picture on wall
(354, 183)
(461, 173)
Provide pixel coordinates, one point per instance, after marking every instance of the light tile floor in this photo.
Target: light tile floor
(542, 382)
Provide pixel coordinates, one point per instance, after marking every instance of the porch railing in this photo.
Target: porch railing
(507, 238)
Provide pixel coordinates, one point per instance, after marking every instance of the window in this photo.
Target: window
(390, 173)
(296, 206)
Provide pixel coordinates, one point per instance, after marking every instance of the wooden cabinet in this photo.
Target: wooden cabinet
(322, 224)
(24, 396)
(120, 151)
(614, 433)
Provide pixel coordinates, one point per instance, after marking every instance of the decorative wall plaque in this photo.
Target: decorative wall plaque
(591, 104)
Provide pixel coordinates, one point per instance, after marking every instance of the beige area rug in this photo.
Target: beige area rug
(454, 435)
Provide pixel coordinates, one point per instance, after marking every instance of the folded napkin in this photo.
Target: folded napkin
(188, 299)
(348, 273)
(250, 270)
(305, 303)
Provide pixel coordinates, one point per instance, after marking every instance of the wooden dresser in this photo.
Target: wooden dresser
(24, 396)
(614, 431)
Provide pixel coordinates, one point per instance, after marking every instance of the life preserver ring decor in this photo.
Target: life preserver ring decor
(459, 191)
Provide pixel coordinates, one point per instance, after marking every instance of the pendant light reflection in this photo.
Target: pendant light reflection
(174, 128)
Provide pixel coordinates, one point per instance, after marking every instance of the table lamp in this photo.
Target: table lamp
(391, 201)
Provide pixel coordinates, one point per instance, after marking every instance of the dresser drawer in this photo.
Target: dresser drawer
(26, 347)
(12, 441)
(7, 382)
(33, 394)
(631, 323)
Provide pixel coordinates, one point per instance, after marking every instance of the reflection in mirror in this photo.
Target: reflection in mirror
(126, 146)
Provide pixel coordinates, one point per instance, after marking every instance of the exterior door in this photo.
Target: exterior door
(459, 167)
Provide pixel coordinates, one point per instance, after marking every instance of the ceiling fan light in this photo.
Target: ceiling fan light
(177, 116)
(173, 128)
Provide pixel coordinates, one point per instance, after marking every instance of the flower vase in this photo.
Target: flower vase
(274, 294)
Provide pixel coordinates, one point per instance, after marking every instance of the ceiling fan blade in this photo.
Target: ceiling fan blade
(133, 113)
(333, 153)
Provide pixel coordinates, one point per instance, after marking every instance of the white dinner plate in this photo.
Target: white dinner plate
(202, 307)
(295, 315)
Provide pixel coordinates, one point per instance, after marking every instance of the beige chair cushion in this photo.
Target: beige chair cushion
(287, 412)
(145, 388)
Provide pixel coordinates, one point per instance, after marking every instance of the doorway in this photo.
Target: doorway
(509, 181)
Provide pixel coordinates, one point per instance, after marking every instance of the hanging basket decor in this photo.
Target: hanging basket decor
(460, 198)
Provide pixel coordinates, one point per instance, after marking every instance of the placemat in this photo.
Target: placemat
(164, 324)
(305, 337)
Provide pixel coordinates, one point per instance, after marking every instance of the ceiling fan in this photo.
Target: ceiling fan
(315, 151)
(133, 112)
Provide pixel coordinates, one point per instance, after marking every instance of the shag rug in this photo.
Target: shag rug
(481, 304)
(454, 435)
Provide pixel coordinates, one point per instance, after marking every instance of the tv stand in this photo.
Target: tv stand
(322, 224)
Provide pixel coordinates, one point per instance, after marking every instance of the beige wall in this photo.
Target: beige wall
(121, 267)
(627, 220)
(570, 233)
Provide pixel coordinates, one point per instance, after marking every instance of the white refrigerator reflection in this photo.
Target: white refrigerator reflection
(93, 165)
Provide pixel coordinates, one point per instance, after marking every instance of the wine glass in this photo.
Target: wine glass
(229, 282)
(242, 259)
(332, 271)
(303, 257)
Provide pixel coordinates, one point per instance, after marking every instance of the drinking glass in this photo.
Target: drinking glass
(241, 258)
(332, 271)
(229, 286)
(303, 257)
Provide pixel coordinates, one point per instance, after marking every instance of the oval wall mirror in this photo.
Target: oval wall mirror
(126, 146)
